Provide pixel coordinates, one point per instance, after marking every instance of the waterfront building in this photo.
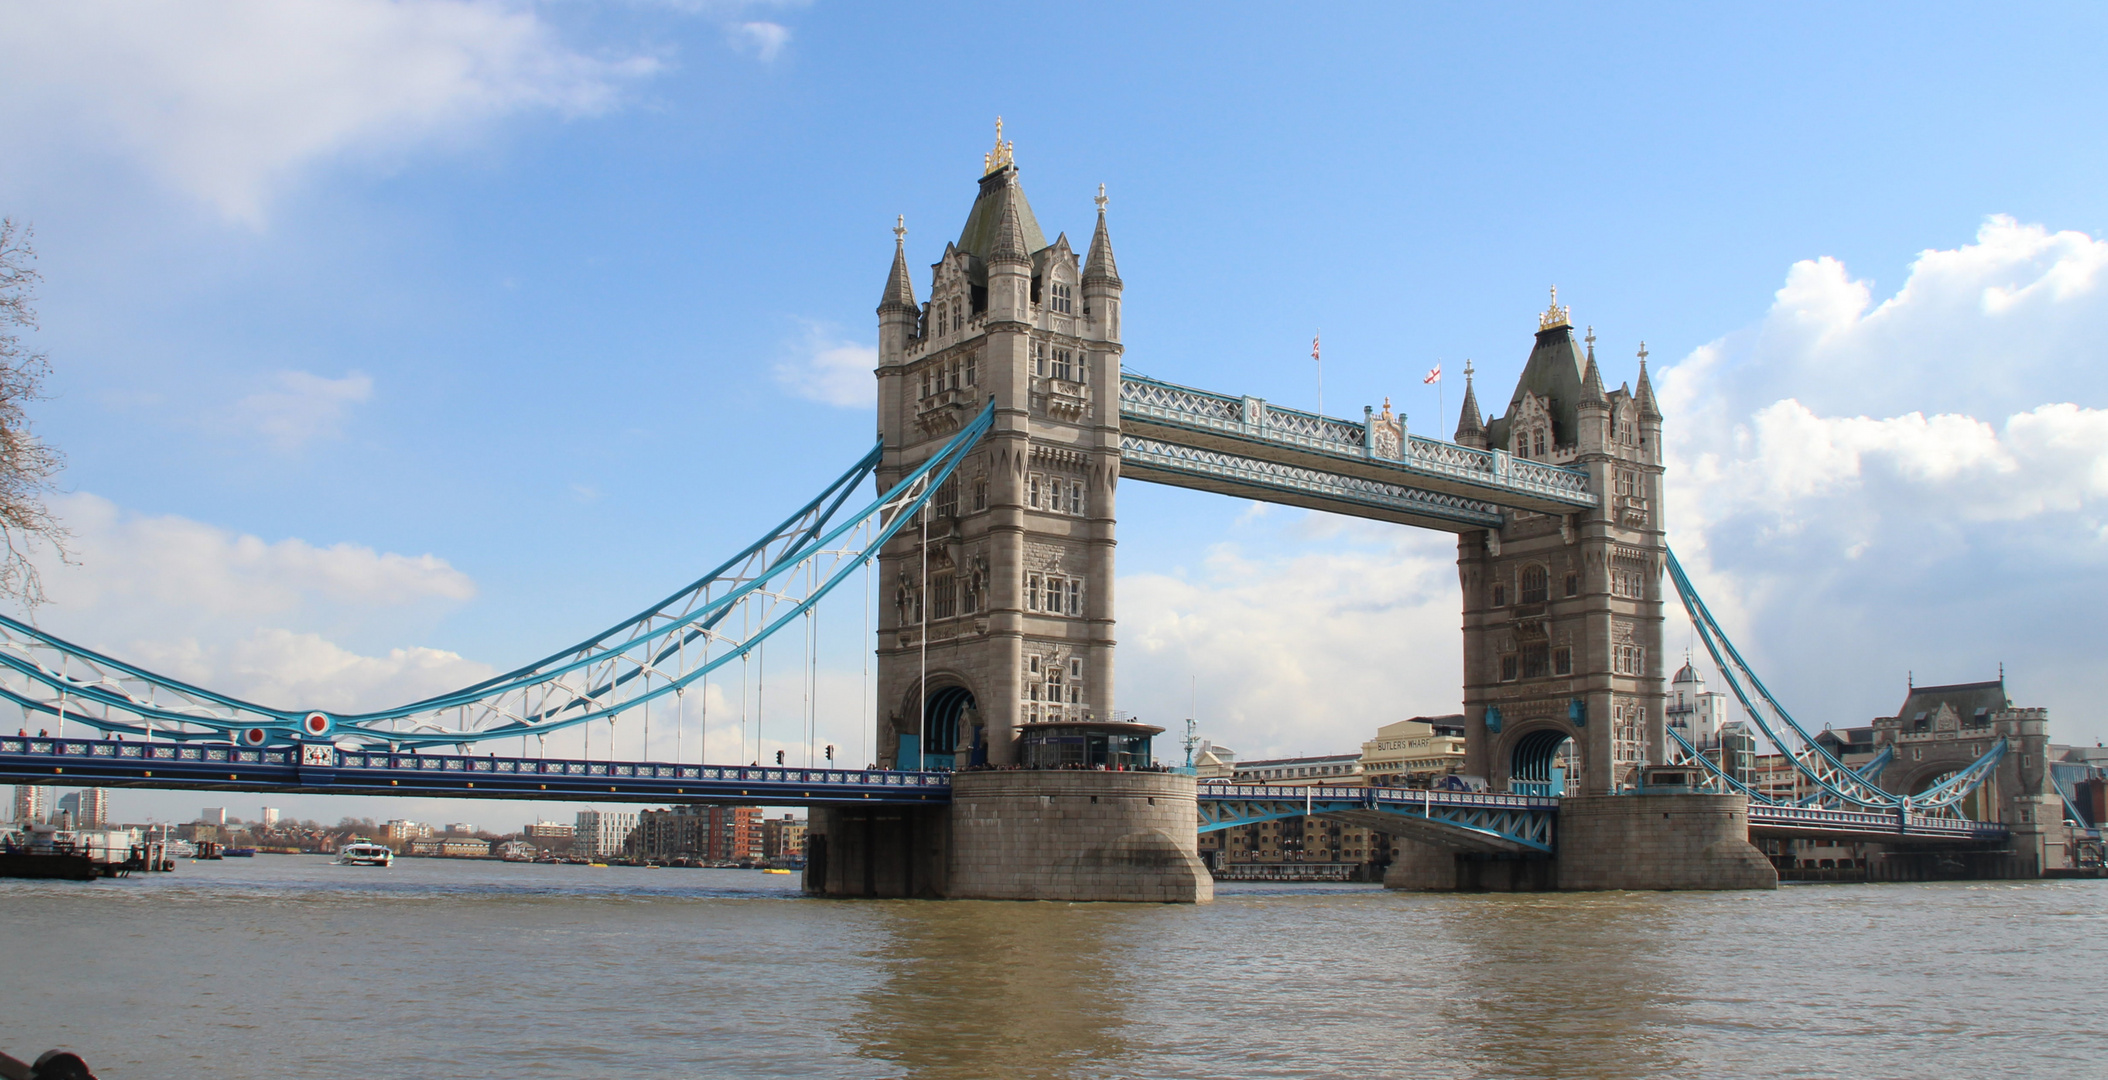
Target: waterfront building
(1694, 712)
(1855, 746)
(1214, 762)
(700, 833)
(88, 808)
(30, 806)
(400, 830)
(1335, 769)
(460, 828)
(2080, 774)
(1414, 751)
(1735, 751)
(601, 833)
(550, 830)
(270, 817)
(783, 838)
(1297, 847)
(213, 815)
(459, 847)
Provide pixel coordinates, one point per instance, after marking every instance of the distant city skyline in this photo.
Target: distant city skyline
(366, 402)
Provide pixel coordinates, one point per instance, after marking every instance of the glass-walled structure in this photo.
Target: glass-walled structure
(1086, 744)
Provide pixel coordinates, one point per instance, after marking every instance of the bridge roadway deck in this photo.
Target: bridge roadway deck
(1815, 823)
(1490, 821)
(327, 770)
(1455, 820)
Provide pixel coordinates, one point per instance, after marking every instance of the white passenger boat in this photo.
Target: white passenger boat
(364, 853)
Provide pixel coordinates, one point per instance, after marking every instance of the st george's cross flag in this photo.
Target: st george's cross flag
(1434, 375)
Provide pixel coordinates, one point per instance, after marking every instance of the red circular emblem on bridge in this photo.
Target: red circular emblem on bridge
(315, 724)
(254, 736)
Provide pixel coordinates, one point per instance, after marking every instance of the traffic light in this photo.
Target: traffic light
(830, 751)
(779, 757)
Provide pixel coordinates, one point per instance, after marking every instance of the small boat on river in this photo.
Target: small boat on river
(364, 853)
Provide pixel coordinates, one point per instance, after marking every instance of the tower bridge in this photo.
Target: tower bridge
(1006, 420)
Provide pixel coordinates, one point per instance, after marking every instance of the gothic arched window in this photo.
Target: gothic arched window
(1535, 585)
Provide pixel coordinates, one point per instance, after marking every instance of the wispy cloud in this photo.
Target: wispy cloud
(229, 101)
(251, 616)
(830, 370)
(764, 39)
(300, 407)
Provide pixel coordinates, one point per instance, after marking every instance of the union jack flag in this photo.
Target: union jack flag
(1314, 347)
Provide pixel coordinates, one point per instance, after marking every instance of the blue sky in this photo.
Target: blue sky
(397, 341)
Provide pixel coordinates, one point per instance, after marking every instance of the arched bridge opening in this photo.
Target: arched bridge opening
(1539, 763)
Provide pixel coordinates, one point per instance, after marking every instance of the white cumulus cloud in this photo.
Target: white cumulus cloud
(1912, 484)
(1301, 643)
(248, 616)
(1866, 485)
(227, 101)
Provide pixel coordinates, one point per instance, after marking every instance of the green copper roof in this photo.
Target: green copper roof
(1553, 372)
(998, 187)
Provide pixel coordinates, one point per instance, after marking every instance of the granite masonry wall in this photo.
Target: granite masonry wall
(1059, 835)
(1659, 842)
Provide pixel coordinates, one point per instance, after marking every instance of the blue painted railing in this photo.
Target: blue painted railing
(324, 769)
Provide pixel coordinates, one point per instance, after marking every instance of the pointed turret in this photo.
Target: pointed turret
(1645, 393)
(1009, 243)
(898, 316)
(900, 288)
(1592, 376)
(1098, 267)
(1470, 428)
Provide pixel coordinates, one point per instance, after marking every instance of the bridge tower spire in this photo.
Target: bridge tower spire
(1014, 625)
(1563, 613)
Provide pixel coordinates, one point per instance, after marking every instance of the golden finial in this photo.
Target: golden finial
(1100, 200)
(998, 157)
(1554, 316)
(900, 229)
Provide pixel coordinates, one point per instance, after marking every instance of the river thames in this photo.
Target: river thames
(292, 967)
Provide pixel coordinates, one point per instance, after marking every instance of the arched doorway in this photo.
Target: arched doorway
(948, 710)
(1538, 764)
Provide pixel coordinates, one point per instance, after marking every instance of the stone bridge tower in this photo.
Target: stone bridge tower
(1940, 730)
(1004, 614)
(1563, 613)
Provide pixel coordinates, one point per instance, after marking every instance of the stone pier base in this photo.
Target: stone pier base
(887, 852)
(1608, 842)
(1053, 835)
(1426, 868)
(1659, 842)
(1020, 835)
